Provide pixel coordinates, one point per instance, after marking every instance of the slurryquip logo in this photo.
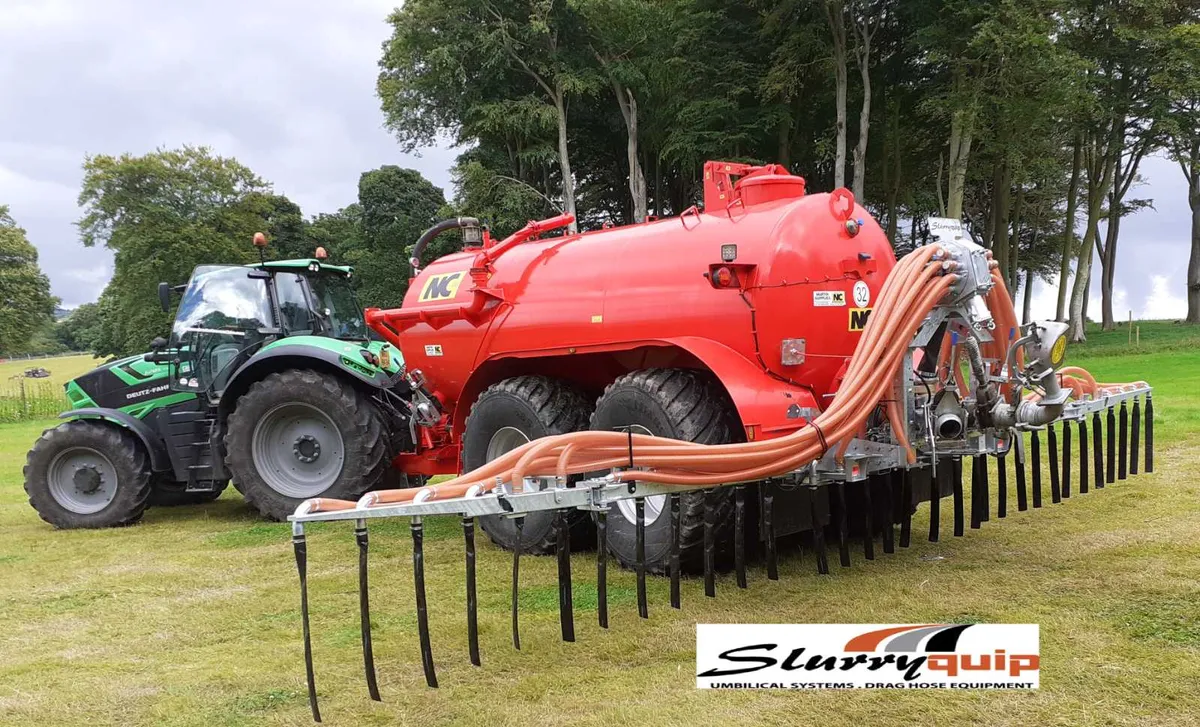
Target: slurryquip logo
(867, 656)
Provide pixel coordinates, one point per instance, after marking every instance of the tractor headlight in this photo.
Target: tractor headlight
(314, 267)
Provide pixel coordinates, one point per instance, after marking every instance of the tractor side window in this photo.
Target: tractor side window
(335, 298)
(297, 317)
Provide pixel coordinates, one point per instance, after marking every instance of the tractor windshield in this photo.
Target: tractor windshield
(342, 316)
(223, 299)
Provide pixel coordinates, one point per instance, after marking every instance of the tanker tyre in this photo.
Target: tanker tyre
(507, 415)
(682, 404)
(299, 434)
(88, 474)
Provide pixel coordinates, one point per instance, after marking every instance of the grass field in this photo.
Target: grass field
(191, 618)
(62, 368)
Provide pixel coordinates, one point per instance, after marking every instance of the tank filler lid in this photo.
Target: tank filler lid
(762, 188)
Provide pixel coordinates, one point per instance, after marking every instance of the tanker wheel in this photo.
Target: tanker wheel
(299, 434)
(166, 492)
(87, 474)
(507, 415)
(680, 404)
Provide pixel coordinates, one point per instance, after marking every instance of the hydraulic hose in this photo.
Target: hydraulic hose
(452, 223)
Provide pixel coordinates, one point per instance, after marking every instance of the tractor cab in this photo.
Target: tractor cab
(227, 313)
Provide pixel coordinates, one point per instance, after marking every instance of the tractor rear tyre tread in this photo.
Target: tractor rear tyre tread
(362, 431)
(683, 404)
(123, 451)
(543, 406)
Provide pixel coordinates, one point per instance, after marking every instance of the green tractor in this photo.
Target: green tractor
(270, 377)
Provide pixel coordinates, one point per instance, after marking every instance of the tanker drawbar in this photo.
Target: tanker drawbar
(941, 372)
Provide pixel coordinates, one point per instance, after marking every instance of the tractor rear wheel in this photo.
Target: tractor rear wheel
(87, 474)
(507, 415)
(299, 434)
(169, 493)
(682, 404)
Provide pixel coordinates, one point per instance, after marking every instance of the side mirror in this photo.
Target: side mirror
(164, 296)
(158, 343)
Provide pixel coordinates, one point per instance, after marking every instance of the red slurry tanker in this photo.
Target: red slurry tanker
(689, 389)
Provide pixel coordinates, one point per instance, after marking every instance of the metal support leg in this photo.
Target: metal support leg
(710, 549)
(977, 486)
(1052, 448)
(639, 505)
(516, 578)
(769, 532)
(906, 509)
(1066, 460)
(739, 534)
(1123, 449)
(1022, 493)
(818, 531)
(468, 524)
(868, 521)
(673, 500)
(1084, 457)
(1111, 443)
(418, 538)
(566, 599)
(1135, 431)
(1035, 446)
(301, 549)
(889, 528)
(843, 531)
(602, 567)
(1002, 486)
(1149, 433)
(364, 610)
(956, 482)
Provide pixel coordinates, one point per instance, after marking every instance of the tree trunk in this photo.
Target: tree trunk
(1193, 274)
(960, 151)
(836, 16)
(637, 181)
(864, 115)
(1108, 262)
(564, 161)
(1014, 240)
(1027, 303)
(1068, 248)
(1079, 291)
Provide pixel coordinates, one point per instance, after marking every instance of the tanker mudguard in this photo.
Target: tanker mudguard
(768, 406)
(159, 460)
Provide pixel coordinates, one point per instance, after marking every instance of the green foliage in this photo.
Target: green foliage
(81, 330)
(162, 214)
(396, 205)
(26, 305)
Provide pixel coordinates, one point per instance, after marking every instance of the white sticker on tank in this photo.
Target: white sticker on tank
(829, 298)
(433, 349)
(862, 294)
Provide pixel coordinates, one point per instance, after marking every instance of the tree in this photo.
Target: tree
(81, 329)
(1179, 81)
(162, 214)
(449, 64)
(26, 305)
(397, 206)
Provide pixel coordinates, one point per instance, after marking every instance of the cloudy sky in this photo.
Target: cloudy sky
(287, 87)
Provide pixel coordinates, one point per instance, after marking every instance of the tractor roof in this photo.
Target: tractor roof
(301, 264)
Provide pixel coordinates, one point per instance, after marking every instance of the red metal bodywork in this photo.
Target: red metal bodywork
(592, 306)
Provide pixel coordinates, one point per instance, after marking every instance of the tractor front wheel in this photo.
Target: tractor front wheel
(87, 474)
(299, 434)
